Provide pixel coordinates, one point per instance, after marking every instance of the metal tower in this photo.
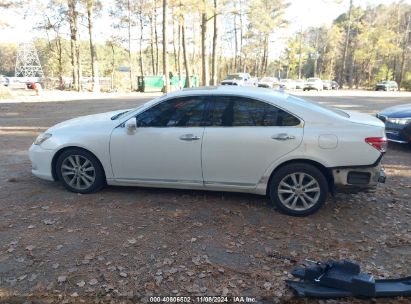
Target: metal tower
(27, 62)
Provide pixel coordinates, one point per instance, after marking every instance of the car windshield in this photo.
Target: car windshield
(233, 76)
(267, 79)
(312, 79)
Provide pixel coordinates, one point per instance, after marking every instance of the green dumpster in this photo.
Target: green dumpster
(150, 83)
(156, 83)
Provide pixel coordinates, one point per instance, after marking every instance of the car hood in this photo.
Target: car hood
(88, 120)
(364, 119)
(401, 111)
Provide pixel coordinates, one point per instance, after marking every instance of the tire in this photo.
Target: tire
(297, 201)
(79, 171)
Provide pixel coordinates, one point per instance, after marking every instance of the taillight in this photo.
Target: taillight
(379, 143)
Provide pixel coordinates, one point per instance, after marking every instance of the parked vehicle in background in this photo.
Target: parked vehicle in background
(268, 82)
(287, 84)
(4, 81)
(327, 85)
(313, 84)
(223, 139)
(299, 84)
(240, 79)
(334, 85)
(386, 85)
(330, 85)
(397, 121)
(30, 85)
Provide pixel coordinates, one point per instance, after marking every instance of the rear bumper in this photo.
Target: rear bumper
(354, 179)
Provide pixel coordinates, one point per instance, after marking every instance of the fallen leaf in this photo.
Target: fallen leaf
(123, 274)
(81, 284)
(132, 241)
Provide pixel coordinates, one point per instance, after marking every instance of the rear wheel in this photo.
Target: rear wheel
(298, 189)
(80, 171)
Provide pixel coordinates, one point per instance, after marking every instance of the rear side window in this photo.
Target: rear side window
(233, 111)
(176, 112)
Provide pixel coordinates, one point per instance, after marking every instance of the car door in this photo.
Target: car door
(244, 137)
(165, 147)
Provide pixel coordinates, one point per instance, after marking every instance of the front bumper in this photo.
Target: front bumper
(311, 87)
(398, 133)
(358, 178)
(41, 162)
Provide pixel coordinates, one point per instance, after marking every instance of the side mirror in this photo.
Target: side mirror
(131, 124)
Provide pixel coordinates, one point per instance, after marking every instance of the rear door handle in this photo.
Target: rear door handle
(189, 137)
(282, 136)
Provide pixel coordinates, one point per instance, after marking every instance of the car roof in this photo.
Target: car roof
(252, 92)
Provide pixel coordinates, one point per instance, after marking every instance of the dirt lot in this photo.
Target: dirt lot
(127, 244)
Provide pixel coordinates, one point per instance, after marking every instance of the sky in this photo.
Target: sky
(301, 13)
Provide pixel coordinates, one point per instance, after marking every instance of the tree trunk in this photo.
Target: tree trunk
(404, 52)
(130, 63)
(235, 43)
(113, 65)
(346, 44)
(72, 14)
(60, 61)
(300, 53)
(174, 40)
(179, 51)
(165, 55)
(156, 36)
(214, 55)
(93, 52)
(266, 54)
(204, 56)
(186, 63)
(351, 73)
(141, 41)
(152, 46)
(242, 65)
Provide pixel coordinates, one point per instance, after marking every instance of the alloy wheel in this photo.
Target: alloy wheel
(299, 191)
(78, 172)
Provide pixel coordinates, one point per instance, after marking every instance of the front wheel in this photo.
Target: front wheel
(80, 171)
(298, 189)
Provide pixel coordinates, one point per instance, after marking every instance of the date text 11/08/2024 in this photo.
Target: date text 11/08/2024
(202, 299)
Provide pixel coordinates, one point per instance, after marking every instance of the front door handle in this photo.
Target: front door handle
(189, 137)
(283, 136)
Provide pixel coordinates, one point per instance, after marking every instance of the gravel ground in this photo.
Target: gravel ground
(127, 244)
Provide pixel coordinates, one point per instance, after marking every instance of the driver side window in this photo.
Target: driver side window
(176, 112)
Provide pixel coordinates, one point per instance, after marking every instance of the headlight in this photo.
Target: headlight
(400, 121)
(41, 138)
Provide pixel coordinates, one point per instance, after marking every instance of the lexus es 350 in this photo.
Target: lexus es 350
(219, 138)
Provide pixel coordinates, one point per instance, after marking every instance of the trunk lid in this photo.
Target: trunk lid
(364, 119)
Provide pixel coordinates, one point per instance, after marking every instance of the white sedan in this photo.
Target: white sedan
(225, 139)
